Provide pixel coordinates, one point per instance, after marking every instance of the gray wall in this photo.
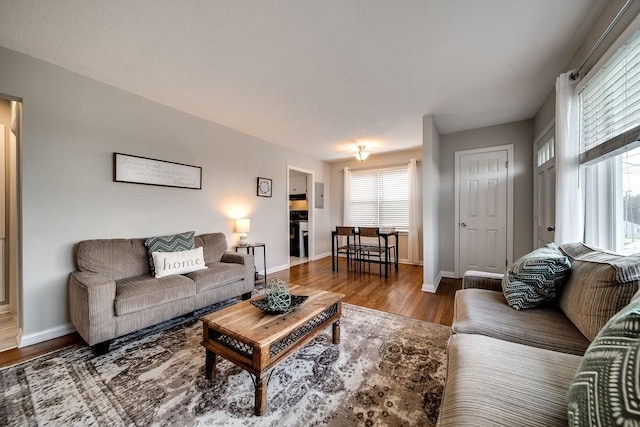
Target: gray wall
(375, 160)
(71, 127)
(431, 202)
(520, 134)
(547, 111)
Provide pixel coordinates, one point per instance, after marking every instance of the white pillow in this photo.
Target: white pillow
(181, 262)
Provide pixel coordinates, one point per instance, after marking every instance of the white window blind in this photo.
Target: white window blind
(380, 198)
(610, 101)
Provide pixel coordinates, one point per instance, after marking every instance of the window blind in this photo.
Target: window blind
(380, 198)
(610, 101)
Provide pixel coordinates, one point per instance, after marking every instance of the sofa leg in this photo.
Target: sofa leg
(246, 296)
(101, 348)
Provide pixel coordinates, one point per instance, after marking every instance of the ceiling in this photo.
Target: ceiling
(319, 77)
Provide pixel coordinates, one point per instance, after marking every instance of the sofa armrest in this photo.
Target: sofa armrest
(91, 306)
(482, 280)
(237, 258)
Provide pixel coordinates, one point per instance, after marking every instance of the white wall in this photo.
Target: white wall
(431, 203)
(336, 189)
(520, 134)
(71, 127)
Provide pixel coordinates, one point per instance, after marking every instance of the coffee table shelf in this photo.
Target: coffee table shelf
(257, 341)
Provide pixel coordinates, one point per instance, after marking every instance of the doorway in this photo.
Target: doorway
(300, 214)
(484, 209)
(10, 281)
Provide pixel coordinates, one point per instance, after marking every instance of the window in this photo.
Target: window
(610, 150)
(546, 152)
(380, 198)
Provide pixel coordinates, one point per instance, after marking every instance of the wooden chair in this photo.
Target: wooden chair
(350, 248)
(373, 250)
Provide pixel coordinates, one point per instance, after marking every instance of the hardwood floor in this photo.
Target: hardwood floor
(400, 294)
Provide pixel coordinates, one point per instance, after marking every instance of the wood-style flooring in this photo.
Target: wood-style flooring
(400, 293)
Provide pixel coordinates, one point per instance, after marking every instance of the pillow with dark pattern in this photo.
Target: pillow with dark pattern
(606, 387)
(536, 278)
(172, 243)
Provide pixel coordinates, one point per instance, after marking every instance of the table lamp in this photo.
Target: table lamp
(243, 226)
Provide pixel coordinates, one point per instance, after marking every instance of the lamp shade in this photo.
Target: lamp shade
(243, 225)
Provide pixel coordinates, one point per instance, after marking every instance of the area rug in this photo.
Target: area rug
(388, 370)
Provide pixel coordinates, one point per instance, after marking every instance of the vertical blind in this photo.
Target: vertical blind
(610, 101)
(380, 198)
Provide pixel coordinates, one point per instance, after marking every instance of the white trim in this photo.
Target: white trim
(47, 334)
(509, 148)
(429, 288)
(277, 268)
(4, 309)
(320, 256)
(544, 133)
(622, 39)
(449, 274)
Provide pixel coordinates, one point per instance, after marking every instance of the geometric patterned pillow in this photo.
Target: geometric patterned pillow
(536, 278)
(606, 387)
(172, 243)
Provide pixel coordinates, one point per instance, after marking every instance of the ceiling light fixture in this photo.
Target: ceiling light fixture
(362, 154)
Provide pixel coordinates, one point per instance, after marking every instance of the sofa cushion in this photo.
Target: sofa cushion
(113, 258)
(171, 243)
(215, 245)
(483, 312)
(143, 292)
(536, 278)
(499, 383)
(217, 274)
(606, 388)
(180, 262)
(600, 285)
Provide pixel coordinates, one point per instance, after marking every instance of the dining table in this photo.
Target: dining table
(386, 234)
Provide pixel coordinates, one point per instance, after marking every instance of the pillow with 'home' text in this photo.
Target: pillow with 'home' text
(181, 262)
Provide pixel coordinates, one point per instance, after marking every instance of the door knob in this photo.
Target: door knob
(462, 224)
(551, 229)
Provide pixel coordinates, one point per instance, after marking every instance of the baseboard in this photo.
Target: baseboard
(448, 274)
(320, 256)
(277, 268)
(47, 334)
(4, 309)
(406, 261)
(427, 287)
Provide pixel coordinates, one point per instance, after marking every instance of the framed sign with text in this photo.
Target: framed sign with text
(142, 170)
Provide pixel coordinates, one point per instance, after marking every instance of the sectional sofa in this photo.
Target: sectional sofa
(510, 367)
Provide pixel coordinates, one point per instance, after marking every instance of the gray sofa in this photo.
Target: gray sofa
(113, 293)
(508, 367)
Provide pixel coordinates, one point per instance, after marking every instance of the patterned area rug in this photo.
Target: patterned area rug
(387, 370)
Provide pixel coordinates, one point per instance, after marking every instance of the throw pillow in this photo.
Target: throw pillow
(172, 243)
(606, 390)
(181, 262)
(536, 278)
(601, 284)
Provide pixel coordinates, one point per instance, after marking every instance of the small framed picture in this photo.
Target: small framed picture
(264, 187)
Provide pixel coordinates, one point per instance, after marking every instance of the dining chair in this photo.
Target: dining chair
(373, 249)
(350, 248)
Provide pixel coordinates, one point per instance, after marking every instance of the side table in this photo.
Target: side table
(251, 249)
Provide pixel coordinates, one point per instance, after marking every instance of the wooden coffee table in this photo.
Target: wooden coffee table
(257, 341)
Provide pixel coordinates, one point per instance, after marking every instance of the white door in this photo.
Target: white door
(545, 190)
(483, 184)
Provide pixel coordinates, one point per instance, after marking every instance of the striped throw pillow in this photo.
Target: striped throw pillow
(536, 278)
(606, 388)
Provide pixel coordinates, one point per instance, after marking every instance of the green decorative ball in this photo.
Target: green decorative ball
(278, 296)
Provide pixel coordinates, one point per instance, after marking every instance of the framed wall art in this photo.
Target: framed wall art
(264, 187)
(142, 170)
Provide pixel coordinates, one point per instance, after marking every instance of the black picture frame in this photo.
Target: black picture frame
(144, 170)
(264, 187)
